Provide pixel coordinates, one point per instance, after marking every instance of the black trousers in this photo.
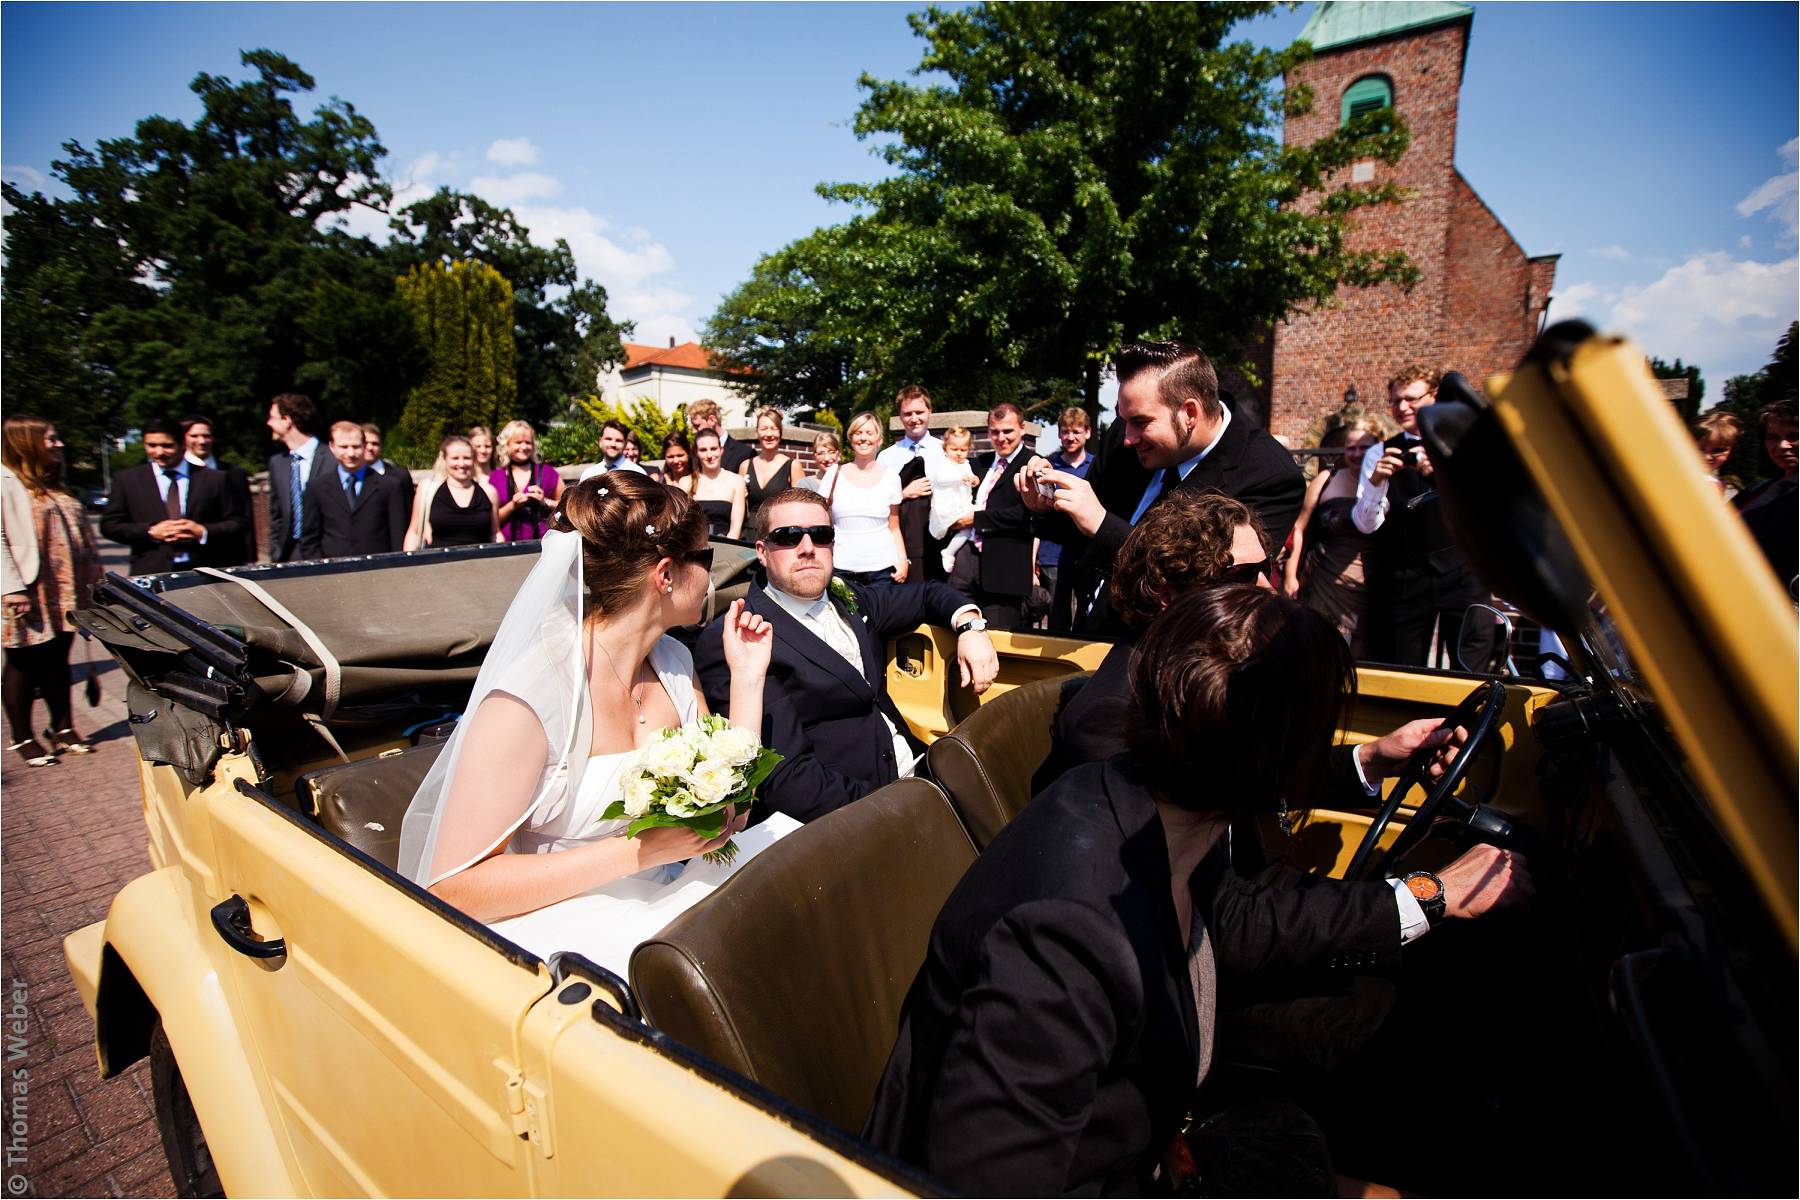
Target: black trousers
(32, 671)
(1409, 605)
(999, 611)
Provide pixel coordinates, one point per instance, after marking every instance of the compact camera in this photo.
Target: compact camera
(1046, 489)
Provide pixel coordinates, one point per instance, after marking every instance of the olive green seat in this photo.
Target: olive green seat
(793, 973)
(987, 761)
(362, 802)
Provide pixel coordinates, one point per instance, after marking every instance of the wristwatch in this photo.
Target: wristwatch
(972, 625)
(1428, 890)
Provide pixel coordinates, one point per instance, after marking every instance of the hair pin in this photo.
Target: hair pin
(650, 530)
(603, 492)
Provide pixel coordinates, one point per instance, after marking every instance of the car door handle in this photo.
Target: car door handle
(231, 917)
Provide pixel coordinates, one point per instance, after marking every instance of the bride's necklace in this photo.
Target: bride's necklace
(630, 689)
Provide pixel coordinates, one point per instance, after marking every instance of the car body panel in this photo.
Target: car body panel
(1703, 617)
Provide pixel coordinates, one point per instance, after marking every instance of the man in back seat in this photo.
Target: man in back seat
(825, 701)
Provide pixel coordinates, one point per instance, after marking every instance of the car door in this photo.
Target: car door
(385, 1034)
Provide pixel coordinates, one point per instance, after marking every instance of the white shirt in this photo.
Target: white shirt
(619, 464)
(1154, 488)
(905, 450)
(860, 514)
(181, 483)
(1371, 506)
(823, 620)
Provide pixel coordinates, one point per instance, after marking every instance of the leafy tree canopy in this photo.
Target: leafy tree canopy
(203, 268)
(1088, 175)
(463, 315)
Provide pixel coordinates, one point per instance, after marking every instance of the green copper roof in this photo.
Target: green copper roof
(1337, 23)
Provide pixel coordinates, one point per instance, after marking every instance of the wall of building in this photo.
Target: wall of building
(672, 387)
(1494, 304)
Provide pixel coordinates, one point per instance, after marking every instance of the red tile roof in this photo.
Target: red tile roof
(691, 355)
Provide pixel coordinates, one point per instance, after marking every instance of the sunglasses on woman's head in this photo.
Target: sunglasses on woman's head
(789, 536)
(702, 557)
(1251, 572)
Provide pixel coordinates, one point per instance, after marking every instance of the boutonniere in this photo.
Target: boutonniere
(840, 591)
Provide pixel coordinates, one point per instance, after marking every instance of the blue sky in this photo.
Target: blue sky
(1652, 145)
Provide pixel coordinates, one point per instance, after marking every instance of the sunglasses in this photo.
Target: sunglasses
(1250, 572)
(703, 557)
(789, 536)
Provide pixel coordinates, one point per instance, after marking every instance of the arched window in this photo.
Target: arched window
(1366, 95)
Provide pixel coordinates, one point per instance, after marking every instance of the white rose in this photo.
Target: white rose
(640, 790)
(681, 803)
(735, 746)
(668, 757)
(713, 780)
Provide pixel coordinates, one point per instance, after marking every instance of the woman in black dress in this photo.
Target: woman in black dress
(458, 509)
(719, 493)
(770, 471)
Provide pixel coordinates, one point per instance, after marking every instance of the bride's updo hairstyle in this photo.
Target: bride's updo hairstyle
(627, 521)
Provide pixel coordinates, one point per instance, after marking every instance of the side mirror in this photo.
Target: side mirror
(1484, 643)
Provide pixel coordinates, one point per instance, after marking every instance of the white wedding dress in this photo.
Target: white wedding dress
(606, 923)
(537, 657)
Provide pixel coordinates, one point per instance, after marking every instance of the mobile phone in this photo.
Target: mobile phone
(1046, 489)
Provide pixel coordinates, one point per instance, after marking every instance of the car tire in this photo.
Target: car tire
(184, 1142)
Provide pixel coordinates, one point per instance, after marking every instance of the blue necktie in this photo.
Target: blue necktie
(294, 489)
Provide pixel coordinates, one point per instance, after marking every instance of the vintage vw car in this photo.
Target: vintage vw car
(318, 1025)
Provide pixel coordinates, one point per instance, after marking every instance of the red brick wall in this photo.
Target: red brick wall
(1473, 309)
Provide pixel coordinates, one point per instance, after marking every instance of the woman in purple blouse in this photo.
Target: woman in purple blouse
(528, 490)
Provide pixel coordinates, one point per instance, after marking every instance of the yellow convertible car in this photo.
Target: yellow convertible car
(318, 1025)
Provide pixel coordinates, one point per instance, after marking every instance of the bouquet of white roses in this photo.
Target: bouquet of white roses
(688, 776)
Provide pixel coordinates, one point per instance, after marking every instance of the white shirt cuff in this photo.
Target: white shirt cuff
(972, 610)
(1413, 922)
(1362, 776)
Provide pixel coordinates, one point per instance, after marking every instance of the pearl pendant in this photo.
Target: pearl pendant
(640, 718)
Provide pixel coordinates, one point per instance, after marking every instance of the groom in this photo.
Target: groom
(825, 701)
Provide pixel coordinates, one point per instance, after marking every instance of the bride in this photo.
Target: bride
(507, 824)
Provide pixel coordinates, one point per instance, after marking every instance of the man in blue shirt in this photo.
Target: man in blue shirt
(1073, 431)
(352, 510)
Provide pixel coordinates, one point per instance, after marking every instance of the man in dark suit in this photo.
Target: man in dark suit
(825, 701)
(381, 466)
(1419, 583)
(704, 414)
(1170, 431)
(293, 422)
(352, 510)
(994, 566)
(171, 513)
(197, 439)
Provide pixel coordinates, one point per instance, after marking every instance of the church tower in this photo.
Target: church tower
(1479, 298)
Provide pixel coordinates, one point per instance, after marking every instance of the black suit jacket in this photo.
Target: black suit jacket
(1247, 465)
(733, 452)
(823, 716)
(1050, 1044)
(1005, 528)
(282, 545)
(136, 503)
(332, 529)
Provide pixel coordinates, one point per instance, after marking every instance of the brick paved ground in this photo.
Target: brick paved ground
(70, 837)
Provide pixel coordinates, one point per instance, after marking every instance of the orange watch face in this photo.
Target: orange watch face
(1423, 887)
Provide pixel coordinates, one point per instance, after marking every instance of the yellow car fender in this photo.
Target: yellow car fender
(152, 965)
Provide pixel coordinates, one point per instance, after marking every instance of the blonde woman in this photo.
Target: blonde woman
(769, 470)
(827, 453)
(456, 507)
(481, 441)
(525, 489)
(720, 493)
(865, 510)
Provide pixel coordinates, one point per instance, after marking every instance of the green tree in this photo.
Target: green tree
(1089, 174)
(563, 335)
(463, 313)
(1689, 408)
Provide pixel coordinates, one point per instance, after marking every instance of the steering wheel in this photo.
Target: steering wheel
(1479, 713)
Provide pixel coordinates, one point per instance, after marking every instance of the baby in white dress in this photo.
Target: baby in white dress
(952, 494)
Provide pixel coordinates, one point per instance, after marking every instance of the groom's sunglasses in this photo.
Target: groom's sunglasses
(1250, 573)
(789, 536)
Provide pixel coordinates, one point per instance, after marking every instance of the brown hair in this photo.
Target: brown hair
(23, 452)
(627, 522)
(714, 434)
(793, 495)
(1073, 417)
(370, 429)
(1782, 412)
(1411, 373)
(767, 412)
(911, 391)
(1181, 544)
(703, 408)
(1006, 408)
(1184, 371)
(1236, 694)
(338, 427)
(1722, 425)
(300, 409)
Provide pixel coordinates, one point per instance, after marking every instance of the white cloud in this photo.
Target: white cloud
(509, 191)
(599, 256)
(1577, 300)
(1745, 242)
(1723, 313)
(1779, 194)
(513, 152)
(25, 178)
(1615, 252)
